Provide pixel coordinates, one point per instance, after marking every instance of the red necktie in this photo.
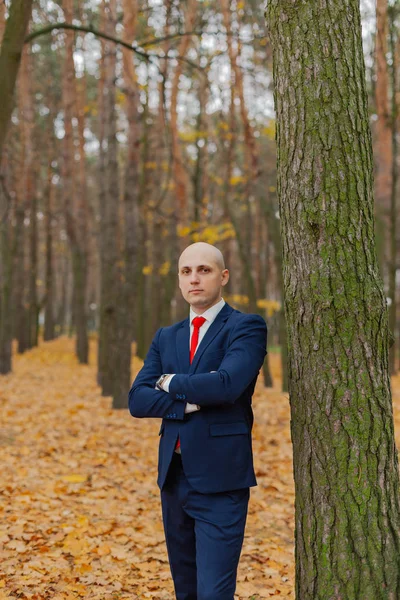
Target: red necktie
(197, 323)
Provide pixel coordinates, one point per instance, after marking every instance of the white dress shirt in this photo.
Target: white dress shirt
(210, 315)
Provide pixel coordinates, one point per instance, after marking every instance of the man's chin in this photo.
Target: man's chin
(198, 300)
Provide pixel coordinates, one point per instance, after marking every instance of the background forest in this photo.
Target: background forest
(121, 154)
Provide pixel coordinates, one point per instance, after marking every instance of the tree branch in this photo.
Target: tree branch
(145, 55)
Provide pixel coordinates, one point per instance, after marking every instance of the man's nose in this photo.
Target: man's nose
(194, 278)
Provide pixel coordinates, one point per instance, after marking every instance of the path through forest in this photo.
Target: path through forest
(79, 504)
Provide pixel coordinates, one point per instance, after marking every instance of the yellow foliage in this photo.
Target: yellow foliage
(239, 299)
(210, 234)
(150, 165)
(269, 130)
(111, 536)
(192, 136)
(74, 478)
(236, 180)
(147, 270)
(165, 268)
(271, 306)
(91, 109)
(183, 231)
(120, 98)
(223, 125)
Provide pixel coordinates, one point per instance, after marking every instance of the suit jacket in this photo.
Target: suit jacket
(215, 441)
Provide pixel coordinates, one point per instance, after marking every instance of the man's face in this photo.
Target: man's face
(201, 280)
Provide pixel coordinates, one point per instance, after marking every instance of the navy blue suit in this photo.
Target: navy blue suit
(205, 491)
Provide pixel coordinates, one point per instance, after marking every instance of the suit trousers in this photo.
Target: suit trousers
(204, 536)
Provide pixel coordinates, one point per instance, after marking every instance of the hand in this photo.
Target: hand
(189, 408)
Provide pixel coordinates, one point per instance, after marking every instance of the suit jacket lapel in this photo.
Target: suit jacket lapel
(183, 337)
(210, 334)
(182, 346)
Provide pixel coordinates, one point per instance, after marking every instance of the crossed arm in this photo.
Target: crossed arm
(240, 365)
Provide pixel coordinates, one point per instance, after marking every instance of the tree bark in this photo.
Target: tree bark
(383, 139)
(49, 323)
(10, 58)
(109, 229)
(180, 177)
(393, 253)
(75, 196)
(344, 454)
(126, 276)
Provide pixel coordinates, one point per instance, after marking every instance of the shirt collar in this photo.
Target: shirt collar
(210, 314)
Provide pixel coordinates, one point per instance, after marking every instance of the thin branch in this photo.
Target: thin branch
(145, 55)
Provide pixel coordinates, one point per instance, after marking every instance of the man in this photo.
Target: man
(199, 376)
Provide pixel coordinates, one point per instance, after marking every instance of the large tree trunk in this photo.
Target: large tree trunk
(345, 459)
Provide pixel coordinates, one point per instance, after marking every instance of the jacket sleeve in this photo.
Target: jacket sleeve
(240, 365)
(144, 399)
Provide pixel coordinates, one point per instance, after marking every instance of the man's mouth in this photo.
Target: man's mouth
(191, 291)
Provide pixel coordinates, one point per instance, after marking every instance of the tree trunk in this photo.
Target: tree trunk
(180, 177)
(49, 324)
(10, 58)
(33, 305)
(345, 459)
(6, 284)
(109, 231)
(383, 139)
(75, 191)
(393, 193)
(126, 307)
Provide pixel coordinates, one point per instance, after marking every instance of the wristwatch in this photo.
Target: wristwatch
(161, 380)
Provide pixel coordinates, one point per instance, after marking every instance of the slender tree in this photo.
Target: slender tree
(385, 192)
(109, 209)
(75, 189)
(347, 511)
(10, 58)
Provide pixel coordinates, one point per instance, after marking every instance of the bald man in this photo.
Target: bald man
(199, 376)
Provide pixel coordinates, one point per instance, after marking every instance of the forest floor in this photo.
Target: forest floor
(80, 509)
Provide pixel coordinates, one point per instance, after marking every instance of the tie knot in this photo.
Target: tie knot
(198, 322)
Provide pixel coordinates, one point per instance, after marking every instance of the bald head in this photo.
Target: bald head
(202, 275)
(202, 249)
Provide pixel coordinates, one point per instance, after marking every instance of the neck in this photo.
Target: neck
(199, 310)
